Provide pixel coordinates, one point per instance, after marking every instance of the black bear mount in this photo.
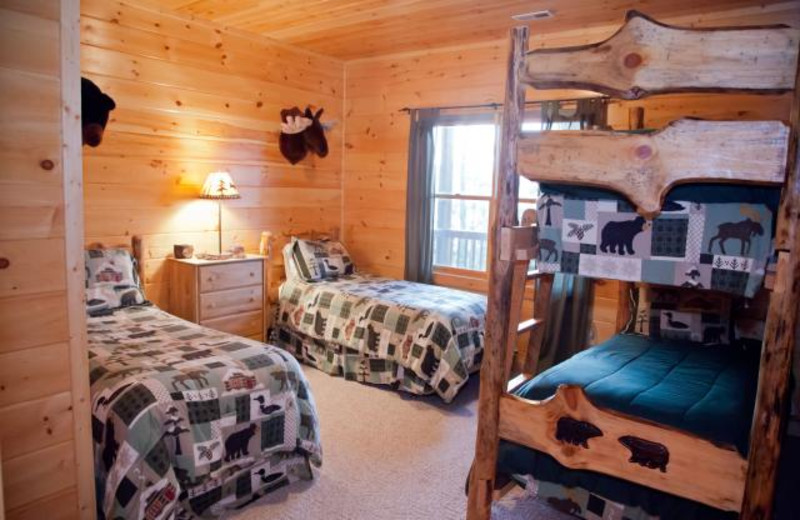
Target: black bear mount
(95, 106)
(302, 132)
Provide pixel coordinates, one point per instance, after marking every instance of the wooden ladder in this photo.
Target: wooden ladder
(518, 246)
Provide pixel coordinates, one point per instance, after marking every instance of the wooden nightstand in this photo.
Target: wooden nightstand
(226, 295)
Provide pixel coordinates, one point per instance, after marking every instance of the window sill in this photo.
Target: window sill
(474, 281)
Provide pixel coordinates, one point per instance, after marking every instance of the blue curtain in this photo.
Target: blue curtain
(419, 199)
(569, 320)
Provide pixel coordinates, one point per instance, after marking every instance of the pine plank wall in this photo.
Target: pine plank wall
(193, 97)
(44, 411)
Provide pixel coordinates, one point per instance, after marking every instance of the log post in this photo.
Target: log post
(771, 406)
(500, 277)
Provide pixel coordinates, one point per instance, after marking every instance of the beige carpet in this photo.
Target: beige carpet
(389, 456)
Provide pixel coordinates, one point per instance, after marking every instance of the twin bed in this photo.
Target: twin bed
(419, 338)
(187, 421)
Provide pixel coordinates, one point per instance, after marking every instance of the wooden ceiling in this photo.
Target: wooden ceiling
(351, 29)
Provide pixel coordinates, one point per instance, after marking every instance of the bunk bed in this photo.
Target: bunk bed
(418, 338)
(186, 421)
(709, 429)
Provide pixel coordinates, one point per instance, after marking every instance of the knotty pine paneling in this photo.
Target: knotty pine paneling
(41, 331)
(193, 97)
(376, 132)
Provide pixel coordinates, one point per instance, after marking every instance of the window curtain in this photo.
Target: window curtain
(569, 320)
(419, 196)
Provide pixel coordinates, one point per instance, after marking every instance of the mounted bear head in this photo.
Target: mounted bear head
(95, 107)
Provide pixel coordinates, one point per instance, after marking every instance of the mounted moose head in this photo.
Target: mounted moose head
(302, 132)
(95, 106)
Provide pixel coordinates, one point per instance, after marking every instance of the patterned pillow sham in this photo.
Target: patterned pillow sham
(112, 281)
(680, 314)
(320, 259)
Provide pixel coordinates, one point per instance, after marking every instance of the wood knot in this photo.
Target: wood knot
(632, 60)
(47, 164)
(644, 151)
(4, 263)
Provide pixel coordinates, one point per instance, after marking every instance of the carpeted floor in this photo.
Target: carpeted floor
(389, 456)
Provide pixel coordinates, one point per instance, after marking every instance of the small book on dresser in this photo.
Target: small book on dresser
(226, 295)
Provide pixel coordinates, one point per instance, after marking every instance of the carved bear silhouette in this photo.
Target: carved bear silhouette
(576, 432)
(645, 453)
(617, 236)
(236, 443)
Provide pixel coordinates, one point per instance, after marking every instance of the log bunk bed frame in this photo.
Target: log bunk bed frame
(643, 58)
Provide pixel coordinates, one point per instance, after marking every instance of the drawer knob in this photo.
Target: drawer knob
(252, 274)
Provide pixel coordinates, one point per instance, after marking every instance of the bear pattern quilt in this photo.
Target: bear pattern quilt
(719, 246)
(188, 422)
(420, 338)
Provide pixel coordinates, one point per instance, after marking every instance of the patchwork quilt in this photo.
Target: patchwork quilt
(188, 421)
(420, 338)
(719, 245)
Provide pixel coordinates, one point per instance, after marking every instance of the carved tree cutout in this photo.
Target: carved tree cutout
(646, 57)
(645, 166)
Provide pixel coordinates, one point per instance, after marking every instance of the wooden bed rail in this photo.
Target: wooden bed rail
(581, 435)
(646, 57)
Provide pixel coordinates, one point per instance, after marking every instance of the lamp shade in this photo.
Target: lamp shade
(219, 185)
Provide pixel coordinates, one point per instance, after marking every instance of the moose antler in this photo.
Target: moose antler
(750, 212)
(295, 124)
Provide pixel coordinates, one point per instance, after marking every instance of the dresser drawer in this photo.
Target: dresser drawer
(232, 301)
(229, 276)
(247, 324)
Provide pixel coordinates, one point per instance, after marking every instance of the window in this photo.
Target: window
(464, 165)
(464, 157)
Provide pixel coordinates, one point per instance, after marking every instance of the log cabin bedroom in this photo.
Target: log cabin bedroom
(386, 260)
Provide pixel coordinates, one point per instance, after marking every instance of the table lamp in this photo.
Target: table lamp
(219, 186)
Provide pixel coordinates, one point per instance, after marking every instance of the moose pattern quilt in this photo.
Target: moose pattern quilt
(420, 338)
(719, 246)
(188, 422)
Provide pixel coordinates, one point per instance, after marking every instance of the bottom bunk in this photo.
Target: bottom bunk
(672, 417)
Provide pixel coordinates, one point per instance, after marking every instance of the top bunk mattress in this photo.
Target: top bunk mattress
(715, 237)
(708, 391)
